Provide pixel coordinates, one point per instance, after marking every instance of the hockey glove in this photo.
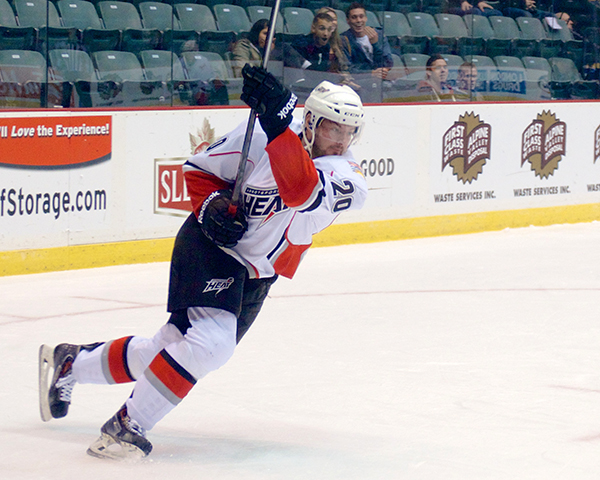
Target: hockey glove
(273, 103)
(218, 224)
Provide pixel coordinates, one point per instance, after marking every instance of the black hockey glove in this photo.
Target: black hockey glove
(273, 103)
(218, 224)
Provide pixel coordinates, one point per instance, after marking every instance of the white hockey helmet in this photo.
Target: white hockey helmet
(338, 103)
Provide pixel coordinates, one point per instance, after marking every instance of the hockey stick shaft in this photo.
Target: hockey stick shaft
(236, 199)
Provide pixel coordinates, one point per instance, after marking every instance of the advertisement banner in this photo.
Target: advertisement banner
(492, 157)
(55, 179)
(81, 179)
(170, 192)
(54, 142)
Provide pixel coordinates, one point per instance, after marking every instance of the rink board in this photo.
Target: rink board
(84, 189)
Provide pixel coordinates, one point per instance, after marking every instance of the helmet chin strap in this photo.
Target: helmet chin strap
(310, 128)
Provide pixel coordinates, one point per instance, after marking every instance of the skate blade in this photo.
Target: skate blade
(107, 447)
(45, 363)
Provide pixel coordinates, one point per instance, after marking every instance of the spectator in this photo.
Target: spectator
(435, 85)
(565, 17)
(317, 49)
(466, 84)
(367, 48)
(523, 8)
(463, 7)
(337, 51)
(250, 50)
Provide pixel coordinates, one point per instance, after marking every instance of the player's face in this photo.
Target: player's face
(357, 21)
(322, 31)
(438, 71)
(331, 138)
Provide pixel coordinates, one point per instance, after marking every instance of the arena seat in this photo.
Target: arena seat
(257, 12)
(72, 65)
(231, 18)
(118, 66)
(297, 20)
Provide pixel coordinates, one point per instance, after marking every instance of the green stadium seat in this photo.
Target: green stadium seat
(195, 17)
(162, 65)
(22, 66)
(157, 15)
(72, 65)
(257, 12)
(231, 18)
(297, 20)
(118, 66)
(12, 36)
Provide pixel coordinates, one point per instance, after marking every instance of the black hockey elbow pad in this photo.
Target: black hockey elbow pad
(273, 103)
(218, 224)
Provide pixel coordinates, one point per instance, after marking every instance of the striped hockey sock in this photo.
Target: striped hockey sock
(164, 384)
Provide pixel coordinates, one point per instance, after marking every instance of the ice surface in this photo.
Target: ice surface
(466, 357)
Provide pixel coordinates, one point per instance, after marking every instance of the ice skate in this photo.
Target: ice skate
(55, 397)
(121, 438)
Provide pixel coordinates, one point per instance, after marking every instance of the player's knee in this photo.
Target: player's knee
(212, 340)
(141, 351)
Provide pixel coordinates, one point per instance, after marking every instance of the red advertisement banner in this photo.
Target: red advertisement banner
(54, 141)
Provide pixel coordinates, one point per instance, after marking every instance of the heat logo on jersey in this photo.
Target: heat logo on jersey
(263, 203)
(218, 285)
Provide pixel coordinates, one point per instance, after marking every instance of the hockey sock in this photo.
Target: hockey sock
(122, 360)
(159, 390)
(106, 364)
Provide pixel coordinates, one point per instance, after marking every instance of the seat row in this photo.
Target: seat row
(554, 69)
(375, 5)
(119, 25)
(159, 65)
(498, 79)
(107, 14)
(72, 78)
(478, 35)
(21, 66)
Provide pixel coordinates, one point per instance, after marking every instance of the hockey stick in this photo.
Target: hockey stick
(236, 201)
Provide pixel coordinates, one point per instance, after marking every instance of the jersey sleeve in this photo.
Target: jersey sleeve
(200, 185)
(294, 172)
(222, 158)
(216, 167)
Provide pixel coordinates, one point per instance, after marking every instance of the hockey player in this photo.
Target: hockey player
(300, 176)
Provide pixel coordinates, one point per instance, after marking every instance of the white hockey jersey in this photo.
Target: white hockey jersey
(288, 198)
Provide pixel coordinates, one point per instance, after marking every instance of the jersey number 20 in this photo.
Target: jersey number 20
(345, 191)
